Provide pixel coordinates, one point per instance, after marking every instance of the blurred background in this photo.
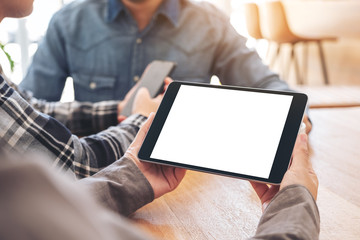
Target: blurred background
(333, 24)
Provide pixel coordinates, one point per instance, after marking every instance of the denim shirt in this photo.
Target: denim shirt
(98, 44)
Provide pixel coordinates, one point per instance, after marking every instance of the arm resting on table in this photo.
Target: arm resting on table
(121, 187)
(292, 214)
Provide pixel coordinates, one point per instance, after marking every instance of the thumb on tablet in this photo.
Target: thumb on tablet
(301, 156)
(301, 171)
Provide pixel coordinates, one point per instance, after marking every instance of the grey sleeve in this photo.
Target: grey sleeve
(37, 203)
(292, 214)
(121, 187)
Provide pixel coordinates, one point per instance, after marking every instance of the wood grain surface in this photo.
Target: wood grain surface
(207, 206)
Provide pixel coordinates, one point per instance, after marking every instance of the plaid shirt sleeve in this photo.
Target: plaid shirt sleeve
(82, 118)
(24, 130)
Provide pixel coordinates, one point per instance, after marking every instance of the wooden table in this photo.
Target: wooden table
(207, 206)
(331, 96)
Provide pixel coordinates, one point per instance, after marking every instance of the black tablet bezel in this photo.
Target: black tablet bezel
(284, 150)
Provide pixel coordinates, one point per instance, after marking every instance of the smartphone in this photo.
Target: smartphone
(152, 79)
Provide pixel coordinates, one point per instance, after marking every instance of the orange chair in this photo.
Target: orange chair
(252, 20)
(251, 12)
(274, 27)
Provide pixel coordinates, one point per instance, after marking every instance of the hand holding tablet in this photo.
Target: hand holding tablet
(232, 131)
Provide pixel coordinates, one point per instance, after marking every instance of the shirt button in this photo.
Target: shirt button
(136, 78)
(138, 40)
(92, 85)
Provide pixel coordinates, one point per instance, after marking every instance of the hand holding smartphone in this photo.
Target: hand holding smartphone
(152, 79)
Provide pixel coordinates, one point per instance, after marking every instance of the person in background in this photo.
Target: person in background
(105, 45)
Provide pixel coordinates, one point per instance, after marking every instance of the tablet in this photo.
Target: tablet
(233, 131)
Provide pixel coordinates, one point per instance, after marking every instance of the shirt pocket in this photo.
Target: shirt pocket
(93, 88)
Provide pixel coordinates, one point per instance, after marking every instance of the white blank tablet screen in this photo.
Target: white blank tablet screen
(228, 130)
